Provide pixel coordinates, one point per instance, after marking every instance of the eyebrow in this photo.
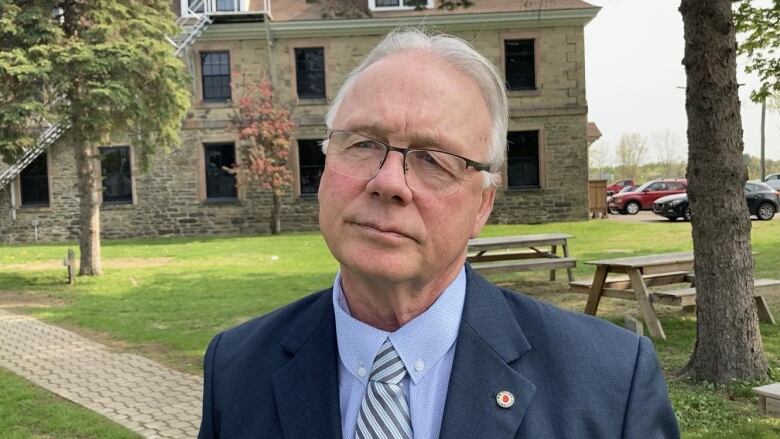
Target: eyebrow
(380, 133)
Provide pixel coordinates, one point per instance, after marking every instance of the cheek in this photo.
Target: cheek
(449, 220)
(336, 191)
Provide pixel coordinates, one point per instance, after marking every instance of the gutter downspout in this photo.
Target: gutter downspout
(270, 42)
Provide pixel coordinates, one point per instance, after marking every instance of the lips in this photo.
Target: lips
(382, 228)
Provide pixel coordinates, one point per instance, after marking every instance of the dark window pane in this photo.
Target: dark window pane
(200, 5)
(310, 72)
(386, 3)
(523, 159)
(220, 184)
(34, 183)
(520, 71)
(226, 5)
(311, 162)
(116, 175)
(215, 67)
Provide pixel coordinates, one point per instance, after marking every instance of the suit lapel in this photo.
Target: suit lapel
(489, 340)
(307, 389)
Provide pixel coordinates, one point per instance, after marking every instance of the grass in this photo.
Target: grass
(27, 411)
(165, 298)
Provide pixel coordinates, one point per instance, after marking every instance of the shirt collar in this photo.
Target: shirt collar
(421, 343)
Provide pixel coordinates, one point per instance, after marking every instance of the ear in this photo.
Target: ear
(485, 208)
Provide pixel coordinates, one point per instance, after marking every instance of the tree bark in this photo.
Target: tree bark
(89, 209)
(728, 344)
(276, 215)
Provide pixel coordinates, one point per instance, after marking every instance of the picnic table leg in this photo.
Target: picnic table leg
(595, 290)
(566, 255)
(554, 251)
(764, 315)
(645, 306)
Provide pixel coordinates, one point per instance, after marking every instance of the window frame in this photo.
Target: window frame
(131, 164)
(203, 181)
(294, 69)
(18, 186)
(541, 159)
(202, 72)
(514, 36)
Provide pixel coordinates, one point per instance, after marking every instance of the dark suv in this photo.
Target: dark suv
(762, 201)
(642, 198)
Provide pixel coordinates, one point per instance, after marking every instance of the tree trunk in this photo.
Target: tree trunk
(276, 215)
(728, 344)
(89, 209)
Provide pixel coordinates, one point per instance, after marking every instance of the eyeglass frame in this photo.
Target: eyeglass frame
(477, 166)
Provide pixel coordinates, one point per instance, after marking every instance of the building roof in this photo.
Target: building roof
(593, 132)
(294, 10)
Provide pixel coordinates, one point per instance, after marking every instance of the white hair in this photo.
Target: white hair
(459, 54)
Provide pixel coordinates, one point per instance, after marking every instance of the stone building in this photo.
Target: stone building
(537, 44)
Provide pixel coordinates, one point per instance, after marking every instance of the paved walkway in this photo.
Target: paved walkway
(133, 391)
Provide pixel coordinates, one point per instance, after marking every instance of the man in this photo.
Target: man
(409, 341)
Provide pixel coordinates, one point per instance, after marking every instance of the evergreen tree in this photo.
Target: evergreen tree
(102, 68)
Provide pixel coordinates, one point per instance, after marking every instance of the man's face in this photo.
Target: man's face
(381, 229)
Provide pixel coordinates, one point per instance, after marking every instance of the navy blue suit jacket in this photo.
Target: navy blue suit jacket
(572, 375)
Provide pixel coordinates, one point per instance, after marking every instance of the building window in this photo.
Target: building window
(197, 3)
(220, 183)
(226, 5)
(399, 4)
(311, 162)
(523, 159)
(215, 75)
(310, 72)
(116, 175)
(34, 183)
(520, 65)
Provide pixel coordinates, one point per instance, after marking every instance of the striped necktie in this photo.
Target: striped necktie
(384, 413)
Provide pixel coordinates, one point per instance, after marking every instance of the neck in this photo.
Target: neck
(388, 305)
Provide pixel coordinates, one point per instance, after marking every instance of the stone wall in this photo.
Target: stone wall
(168, 197)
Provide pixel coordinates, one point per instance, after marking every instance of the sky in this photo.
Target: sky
(634, 75)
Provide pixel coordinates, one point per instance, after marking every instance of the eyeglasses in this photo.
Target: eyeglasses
(426, 170)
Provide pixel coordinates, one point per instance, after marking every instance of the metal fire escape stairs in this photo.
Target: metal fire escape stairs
(192, 25)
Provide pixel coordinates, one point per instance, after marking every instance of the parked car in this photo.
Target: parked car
(762, 202)
(773, 181)
(619, 185)
(642, 198)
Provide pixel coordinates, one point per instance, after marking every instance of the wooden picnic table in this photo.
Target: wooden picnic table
(522, 253)
(659, 269)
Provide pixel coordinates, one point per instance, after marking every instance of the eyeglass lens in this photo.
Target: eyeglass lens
(361, 157)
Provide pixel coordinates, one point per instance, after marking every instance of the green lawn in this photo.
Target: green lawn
(165, 298)
(27, 411)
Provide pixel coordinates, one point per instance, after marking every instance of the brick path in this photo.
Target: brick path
(133, 391)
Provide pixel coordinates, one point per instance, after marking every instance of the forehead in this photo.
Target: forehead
(416, 96)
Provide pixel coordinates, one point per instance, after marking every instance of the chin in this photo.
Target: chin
(381, 265)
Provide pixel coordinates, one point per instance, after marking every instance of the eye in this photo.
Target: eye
(366, 145)
(428, 159)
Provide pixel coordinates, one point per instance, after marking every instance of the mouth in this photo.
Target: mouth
(385, 230)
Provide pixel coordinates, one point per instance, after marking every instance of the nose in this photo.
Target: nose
(389, 184)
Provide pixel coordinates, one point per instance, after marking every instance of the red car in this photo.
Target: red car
(642, 198)
(618, 185)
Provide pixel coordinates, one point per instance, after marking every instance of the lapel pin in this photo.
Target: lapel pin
(505, 399)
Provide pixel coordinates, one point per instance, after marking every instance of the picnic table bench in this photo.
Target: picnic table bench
(521, 253)
(768, 399)
(642, 272)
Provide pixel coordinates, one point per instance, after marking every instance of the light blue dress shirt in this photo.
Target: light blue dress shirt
(426, 346)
